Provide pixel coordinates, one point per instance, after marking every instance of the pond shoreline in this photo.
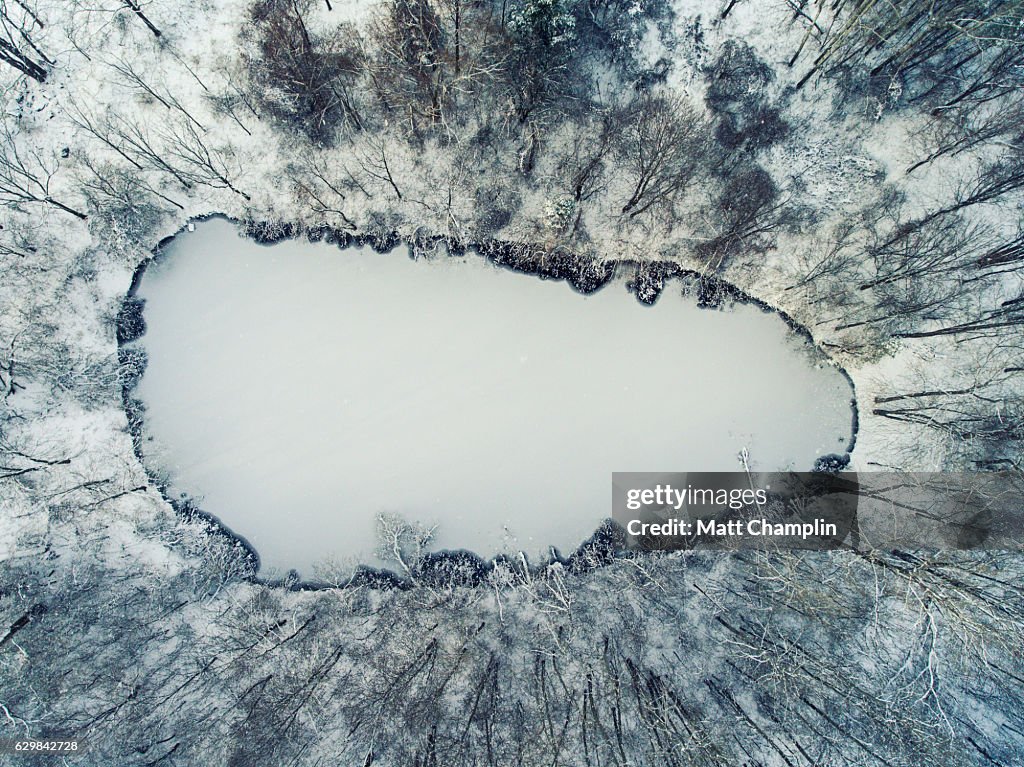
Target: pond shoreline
(459, 567)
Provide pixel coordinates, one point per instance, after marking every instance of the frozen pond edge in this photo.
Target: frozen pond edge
(646, 282)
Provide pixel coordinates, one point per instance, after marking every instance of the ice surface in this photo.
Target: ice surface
(300, 390)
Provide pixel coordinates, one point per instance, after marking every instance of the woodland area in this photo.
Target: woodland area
(857, 164)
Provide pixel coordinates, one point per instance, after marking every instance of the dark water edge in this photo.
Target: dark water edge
(458, 567)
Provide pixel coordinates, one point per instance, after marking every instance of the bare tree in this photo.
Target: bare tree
(17, 240)
(135, 7)
(373, 161)
(590, 149)
(943, 245)
(197, 161)
(661, 148)
(402, 542)
(1005, 256)
(177, 149)
(107, 183)
(748, 208)
(960, 130)
(1006, 316)
(413, 69)
(135, 143)
(301, 77)
(163, 96)
(943, 37)
(834, 258)
(433, 59)
(17, 47)
(26, 177)
(992, 182)
(980, 411)
(320, 190)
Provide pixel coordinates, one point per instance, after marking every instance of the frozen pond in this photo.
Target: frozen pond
(300, 390)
